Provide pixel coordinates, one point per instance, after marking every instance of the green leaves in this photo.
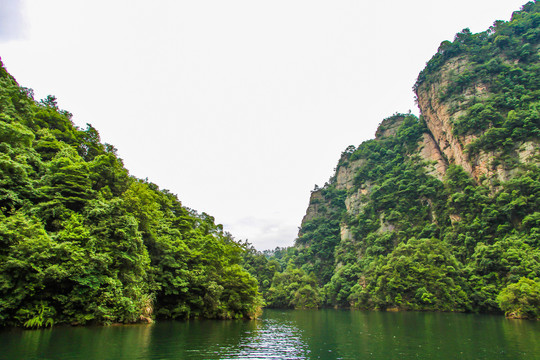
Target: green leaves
(15, 134)
(521, 300)
(294, 289)
(478, 235)
(422, 275)
(42, 316)
(82, 241)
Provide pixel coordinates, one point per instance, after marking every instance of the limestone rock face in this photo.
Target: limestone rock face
(312, 211)
(438, 116)
(389, 127)
(345, 233)
(345, 181)
(529, 152)
(439, 146)
(430, 152)
(355, 200)
(345, 174)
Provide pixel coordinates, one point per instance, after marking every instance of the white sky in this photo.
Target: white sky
(237, 106)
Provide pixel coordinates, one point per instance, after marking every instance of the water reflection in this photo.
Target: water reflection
(115, 342)
(198, 339)
(323, 334)
(268, 338)
(275, 338)
(334, 334)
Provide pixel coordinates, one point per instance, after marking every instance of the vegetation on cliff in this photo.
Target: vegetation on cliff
(387, 232)
(83, 241)
(498, 90)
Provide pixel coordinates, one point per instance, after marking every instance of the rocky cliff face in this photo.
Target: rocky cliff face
(461, 183)
(440, 116)
(438, 148)
(389, 127)
(431, 153)
(315, 203)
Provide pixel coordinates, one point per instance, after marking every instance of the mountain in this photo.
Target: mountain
(439, 212)
(82, 241)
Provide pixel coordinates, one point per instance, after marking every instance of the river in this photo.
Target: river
(290, 334)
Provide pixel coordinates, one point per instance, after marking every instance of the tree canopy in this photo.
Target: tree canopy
(82, 241)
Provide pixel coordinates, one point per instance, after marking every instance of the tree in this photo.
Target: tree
(521, 300)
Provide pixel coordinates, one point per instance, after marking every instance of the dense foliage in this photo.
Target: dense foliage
(410, 240)
(521, 299)
(83, 241)
(498, 89)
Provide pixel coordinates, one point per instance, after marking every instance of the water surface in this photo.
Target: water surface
(294, 334)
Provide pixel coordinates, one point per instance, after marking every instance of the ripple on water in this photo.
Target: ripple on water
(273, 340)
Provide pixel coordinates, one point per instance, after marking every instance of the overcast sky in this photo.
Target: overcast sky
(239, 107)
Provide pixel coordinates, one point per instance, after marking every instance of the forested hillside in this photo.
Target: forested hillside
(437, 213)
(82, 241)
(440, 212)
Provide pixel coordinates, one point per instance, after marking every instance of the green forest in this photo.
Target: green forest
(417, 242)
(82, 241)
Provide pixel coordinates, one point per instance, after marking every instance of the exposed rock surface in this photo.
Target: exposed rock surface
(345, 174)
(430, 152)
(439, 212)
(438, 116)
(312, 211)
(388, 127)
(529, 152)
(345, 233)
(439, 147)
(355, 200)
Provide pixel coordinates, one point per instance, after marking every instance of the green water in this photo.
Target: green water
(323, 334)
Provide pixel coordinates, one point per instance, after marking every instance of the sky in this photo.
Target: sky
(241, 106)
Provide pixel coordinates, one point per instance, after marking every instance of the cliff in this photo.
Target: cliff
(441, 113)
(464, 175)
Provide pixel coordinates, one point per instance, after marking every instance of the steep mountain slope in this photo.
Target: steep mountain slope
(82, 241)
(440, 212)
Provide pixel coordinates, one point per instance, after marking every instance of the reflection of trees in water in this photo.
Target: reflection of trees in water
(289, 334)
(31, 341)
(523, 335)
(273, 338)
(332, 334)
(237, 339)
(113, 342)
(199, 339)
